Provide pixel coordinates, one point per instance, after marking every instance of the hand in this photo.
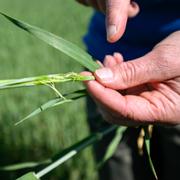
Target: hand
(151, 85)
(117, 13)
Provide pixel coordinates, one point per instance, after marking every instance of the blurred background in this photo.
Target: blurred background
(21, 55)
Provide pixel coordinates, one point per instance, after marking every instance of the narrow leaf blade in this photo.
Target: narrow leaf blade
(113, 145)
(28, 176)
(19, 166)
(53, 103)
(59, 43)
(147, 143)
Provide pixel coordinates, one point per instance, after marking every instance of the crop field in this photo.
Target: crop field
(22, 55)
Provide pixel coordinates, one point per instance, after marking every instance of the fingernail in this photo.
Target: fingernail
(104, 74)
(111, 31)
(107, 57)
(115, 54)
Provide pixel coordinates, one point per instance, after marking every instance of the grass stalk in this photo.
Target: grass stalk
(75, 149)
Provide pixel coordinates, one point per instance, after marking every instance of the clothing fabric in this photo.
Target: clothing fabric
(142, 33)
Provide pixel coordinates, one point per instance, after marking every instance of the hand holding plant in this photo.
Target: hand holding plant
(151, 85)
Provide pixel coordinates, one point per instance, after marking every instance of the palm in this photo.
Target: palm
(153, 102)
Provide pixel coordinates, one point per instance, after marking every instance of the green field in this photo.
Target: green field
(21, 55)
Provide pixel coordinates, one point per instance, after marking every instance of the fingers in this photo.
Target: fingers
(86, 73)
(115, 103)
(131, 73)
(117, 13)
(116, 18)
(118, 57)
(141, 106)
(133, 9)
(157, 102)
(110, 61)
(100, 63)
(114, 118)
(158, 65)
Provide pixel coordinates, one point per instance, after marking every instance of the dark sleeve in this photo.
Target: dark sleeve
(148, 4)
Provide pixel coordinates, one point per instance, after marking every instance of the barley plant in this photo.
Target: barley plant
(50, 81)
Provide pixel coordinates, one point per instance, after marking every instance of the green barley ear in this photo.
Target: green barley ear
(43, 80)
(59, 43)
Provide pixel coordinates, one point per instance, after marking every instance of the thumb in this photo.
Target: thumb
(131, 73)
(116, 18)
(117, 13)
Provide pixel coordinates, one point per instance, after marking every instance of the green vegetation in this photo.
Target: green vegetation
(24, 56)
(84, 59)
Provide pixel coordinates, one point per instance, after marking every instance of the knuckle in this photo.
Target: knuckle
(126, 72)
(165, 61)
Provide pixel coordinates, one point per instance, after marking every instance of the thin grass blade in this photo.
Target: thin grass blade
(75, 149)
(59, 43)
(25, 165)
(113, 145)
(29, 176)
(147, 143)
(55, 102)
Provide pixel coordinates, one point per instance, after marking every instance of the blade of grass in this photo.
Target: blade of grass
(29, 176)
(55, 102)
(113, 145)
(73, 150)
(68, 153)
(59, 43)
(147, 143)
(19, 166)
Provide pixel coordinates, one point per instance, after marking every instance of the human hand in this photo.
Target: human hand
(117, 13)
(151, 85)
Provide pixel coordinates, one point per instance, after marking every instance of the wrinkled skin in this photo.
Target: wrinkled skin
(117, 13)
(141, 91)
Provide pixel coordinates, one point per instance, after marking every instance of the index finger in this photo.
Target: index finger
(116, 18)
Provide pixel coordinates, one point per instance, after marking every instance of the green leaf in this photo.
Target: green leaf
(55, 102)
(70, 152)
(59, 43)
(113, 145)
(147, 143)
(18, 166)
(29, 176)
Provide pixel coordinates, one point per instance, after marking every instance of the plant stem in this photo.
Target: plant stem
(73, 150)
